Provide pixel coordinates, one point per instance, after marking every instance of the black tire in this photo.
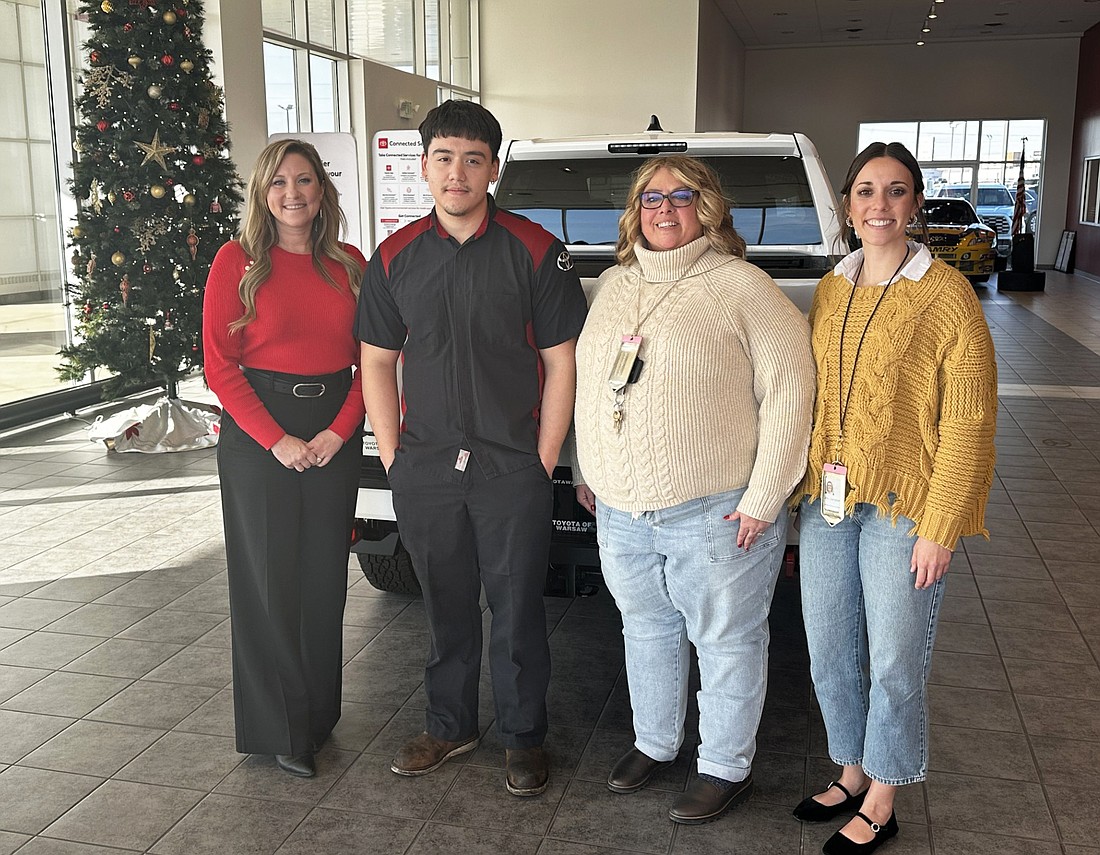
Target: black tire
(393, 573)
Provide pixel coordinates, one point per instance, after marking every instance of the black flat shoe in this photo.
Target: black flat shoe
(838, 844)
(633, 771)
(811, 810)
(298, 765)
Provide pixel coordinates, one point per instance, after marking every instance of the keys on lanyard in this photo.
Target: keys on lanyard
(624, 370)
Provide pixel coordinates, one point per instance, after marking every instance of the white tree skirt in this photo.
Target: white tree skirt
(168, 425)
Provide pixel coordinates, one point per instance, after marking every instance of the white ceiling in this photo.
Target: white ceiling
(788, 23)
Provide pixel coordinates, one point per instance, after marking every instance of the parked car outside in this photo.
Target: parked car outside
(957, 236)
(995, 205)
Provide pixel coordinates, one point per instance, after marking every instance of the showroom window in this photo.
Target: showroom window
(436, 39)
(1090, 203)
(978, 160)
(33, 321)
(305, 65)
(308, 42)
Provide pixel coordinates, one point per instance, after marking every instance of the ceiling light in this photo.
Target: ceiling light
(921, 42)
(926, 29)
(932, 13)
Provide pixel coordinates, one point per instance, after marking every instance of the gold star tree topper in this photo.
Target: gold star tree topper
(156, 151)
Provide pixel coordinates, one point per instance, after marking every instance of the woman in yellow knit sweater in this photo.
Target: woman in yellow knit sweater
(900, 466)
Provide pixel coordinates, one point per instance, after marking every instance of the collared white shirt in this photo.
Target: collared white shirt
(920, 259)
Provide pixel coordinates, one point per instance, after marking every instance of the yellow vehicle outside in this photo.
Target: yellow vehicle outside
(957, 236)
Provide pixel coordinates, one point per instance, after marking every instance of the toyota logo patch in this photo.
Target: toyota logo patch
(565, 262)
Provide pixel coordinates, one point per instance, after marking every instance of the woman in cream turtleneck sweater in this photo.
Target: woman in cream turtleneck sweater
(687, 462)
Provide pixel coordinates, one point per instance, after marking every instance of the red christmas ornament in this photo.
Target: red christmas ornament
(174, 105)
(181, 13)
(167, 59)
(102, 125)
(128, 195)
(219, 139)
(169, 181)
(193, 243)
(127, 27)
(94, 56)
(87, 310)
(106, 305)
(198, 160)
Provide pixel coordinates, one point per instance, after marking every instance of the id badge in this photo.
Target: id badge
(624, 362)
(834, 485)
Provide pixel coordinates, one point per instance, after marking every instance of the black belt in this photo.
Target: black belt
(300, 385)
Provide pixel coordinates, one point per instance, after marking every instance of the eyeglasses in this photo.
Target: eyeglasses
(678, 198)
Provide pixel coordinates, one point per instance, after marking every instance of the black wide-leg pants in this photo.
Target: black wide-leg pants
(287, 539)
(461, 536)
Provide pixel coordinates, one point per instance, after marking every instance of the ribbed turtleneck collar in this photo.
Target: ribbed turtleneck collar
(672, 264)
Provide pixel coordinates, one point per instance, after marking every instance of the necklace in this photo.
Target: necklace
(845, 397)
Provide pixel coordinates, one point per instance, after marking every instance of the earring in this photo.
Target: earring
(848, 222)
(913, 220)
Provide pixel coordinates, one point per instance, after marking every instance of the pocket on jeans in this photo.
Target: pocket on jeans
(722, 536)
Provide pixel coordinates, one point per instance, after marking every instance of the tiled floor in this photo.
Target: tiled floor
(115, 719)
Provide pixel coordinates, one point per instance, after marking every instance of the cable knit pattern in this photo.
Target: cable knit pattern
(725, 397)
(923, 407)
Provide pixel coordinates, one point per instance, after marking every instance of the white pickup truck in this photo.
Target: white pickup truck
(782, 205)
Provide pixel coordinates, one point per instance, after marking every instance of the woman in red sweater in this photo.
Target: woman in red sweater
(279, 354)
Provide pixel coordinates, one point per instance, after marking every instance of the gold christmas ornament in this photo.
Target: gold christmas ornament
(134, 61)
(157, 191)
(187, 66)
(107, 6)
(189, 200)
(78, 146)
(111, 197)
(78, 232)
(117, 258)
(155, 151)
(154, 91)
(169, 17)
(93, 196)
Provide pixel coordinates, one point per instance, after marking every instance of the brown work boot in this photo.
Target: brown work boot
(528, 771)
(424, 753)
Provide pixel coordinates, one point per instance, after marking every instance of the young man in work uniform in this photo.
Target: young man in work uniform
(483, 308)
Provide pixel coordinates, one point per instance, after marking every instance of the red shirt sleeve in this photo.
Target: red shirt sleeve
(222, 352)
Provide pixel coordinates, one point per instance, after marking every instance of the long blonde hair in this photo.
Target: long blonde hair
(712, 207)
(258, 233)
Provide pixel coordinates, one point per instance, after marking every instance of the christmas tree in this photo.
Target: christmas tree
(158, 193)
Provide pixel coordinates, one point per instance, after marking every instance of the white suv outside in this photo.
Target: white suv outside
(783, 206)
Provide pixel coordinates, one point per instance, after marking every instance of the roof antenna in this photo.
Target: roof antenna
(654, 124)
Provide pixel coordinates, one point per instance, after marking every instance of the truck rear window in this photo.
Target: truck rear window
(580, 200)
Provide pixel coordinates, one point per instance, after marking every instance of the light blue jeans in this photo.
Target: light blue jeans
(678, 576)
(870, 634)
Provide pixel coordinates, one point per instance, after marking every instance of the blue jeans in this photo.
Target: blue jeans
(870, 634)
(678, 576)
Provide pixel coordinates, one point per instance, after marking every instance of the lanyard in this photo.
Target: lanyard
(843, 397)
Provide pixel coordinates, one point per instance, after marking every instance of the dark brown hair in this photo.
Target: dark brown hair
(902, 155)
